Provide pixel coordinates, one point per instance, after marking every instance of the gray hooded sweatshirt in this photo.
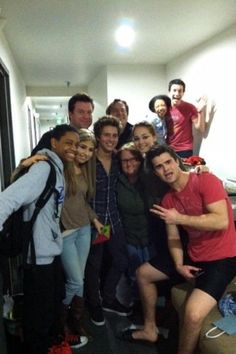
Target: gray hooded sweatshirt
(24, 192)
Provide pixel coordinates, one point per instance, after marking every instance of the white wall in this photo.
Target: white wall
(211, 69)
(136, 84)
(18, 101)
(208, 69)
(97, 89)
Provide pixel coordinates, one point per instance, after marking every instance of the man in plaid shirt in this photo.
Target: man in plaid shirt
(106, 130)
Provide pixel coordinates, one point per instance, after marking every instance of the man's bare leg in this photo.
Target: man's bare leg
(147, 275)
(197, 308)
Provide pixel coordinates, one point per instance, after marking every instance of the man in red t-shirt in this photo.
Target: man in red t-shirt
(183, 116)
(201, 206)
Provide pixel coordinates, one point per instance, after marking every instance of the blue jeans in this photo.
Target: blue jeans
(74, 256)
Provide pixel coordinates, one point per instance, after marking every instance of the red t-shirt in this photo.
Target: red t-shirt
(200, 191)
(179, 126)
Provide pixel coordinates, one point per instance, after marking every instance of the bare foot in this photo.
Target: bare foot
(150, 336)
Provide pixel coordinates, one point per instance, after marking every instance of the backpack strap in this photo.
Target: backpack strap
(41, 202)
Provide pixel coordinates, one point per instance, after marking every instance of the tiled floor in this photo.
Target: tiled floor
(105, 339)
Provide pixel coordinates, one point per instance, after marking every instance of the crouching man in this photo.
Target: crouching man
(198, 203)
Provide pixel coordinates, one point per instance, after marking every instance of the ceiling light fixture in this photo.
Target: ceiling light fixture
(125, 36)
(47, 106)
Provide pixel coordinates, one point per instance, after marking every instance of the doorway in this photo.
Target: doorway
(7, 159)
(7, 155)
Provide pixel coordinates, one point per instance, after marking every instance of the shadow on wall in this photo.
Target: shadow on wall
(209, 112)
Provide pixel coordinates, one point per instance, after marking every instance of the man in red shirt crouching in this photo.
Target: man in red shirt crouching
(198, 203)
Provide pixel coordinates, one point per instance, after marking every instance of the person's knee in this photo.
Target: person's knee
(193, 317)
(142, 274)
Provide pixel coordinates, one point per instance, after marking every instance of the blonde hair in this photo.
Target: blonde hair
(88, 169)
(86, 135)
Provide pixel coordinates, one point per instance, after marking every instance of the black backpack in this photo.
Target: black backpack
(16, 236)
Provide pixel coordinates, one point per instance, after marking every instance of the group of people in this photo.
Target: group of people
(132, 179)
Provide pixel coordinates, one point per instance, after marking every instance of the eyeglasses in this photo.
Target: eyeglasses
(132, 160)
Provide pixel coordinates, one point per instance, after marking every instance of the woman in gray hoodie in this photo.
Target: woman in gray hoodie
(42, 291)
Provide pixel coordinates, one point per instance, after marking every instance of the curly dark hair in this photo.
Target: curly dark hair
(106, 121)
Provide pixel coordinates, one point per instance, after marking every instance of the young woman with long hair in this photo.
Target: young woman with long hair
(76, 219)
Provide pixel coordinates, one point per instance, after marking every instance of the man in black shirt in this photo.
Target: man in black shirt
(119, 108)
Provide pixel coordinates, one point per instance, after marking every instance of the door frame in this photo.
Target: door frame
(7, 151)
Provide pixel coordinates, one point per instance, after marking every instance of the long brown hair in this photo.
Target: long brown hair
(144, 124)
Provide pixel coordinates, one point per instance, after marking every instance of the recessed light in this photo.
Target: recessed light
(125, 36)
(47, 106)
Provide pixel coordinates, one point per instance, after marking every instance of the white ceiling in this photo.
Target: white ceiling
(56, 41)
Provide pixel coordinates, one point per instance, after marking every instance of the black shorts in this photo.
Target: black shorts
(214, 279)
(164, 263)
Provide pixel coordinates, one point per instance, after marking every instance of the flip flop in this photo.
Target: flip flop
(160, 330)
(127, 336)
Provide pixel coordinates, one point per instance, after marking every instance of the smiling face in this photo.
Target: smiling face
(85, 151)
(129, 163)
(81, 117)
(166, 167)
(176, 93)
(160, 108)
(143, 139)
(118, 110)
(108, 139)
(66, 147)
